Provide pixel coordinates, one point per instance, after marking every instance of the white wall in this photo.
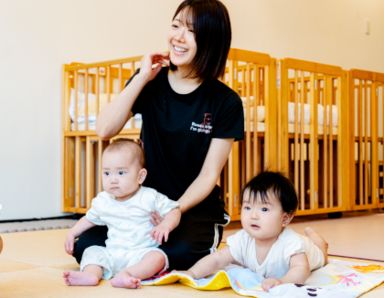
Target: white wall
(37, 37)
(327, 31)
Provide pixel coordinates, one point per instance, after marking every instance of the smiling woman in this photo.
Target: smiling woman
(190, 120)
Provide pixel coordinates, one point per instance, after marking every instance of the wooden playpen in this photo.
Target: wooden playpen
(88, 87)
(366, 99)
(312, 133)
(319, 124)
(252, 75)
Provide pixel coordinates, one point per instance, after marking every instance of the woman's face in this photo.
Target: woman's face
(181, 41)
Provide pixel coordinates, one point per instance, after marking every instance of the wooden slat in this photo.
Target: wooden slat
(97, 90)
(90, 172)
(313, 151)
(375, 148)
(65, 124)
(78, 186)
(76, 103)
(100, 169)
(329, 132)
(271, 139)
(360, 143)
(343, 138)
(248, 165)
(283, 119)
(256, 103)
(366, 144)
(325, 178)
(68, 173)
(65, 103)
(296, 141)
(302, 141)
(86, 119)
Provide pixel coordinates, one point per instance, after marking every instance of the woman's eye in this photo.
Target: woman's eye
(174, 26)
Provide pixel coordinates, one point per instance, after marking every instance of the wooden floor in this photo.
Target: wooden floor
(32, 263)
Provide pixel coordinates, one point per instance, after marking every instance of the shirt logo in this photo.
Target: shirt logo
(203, 127)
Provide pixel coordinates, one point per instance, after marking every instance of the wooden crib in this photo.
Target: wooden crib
(252, 75)
(312, 132)
(317, 123)
(88, 87)
(366, 93)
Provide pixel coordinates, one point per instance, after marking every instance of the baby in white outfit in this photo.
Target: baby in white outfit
(265, 245)
(125, 207)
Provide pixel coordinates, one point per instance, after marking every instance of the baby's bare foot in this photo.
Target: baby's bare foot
(125, 280)
(318, 241)
(79, 278)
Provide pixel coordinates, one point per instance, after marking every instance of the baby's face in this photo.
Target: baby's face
(262, 221)
(121, 174)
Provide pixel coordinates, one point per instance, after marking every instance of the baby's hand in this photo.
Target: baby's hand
(69, 243)
(269, 283)
(160, 232)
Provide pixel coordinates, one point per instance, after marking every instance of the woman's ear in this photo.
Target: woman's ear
(142, 175)
(287, 217)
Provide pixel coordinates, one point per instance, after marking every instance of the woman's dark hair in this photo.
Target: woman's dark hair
(276, 182)
(212, 28)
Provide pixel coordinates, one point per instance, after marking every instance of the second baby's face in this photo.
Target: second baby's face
(263, 221)
(121, 174)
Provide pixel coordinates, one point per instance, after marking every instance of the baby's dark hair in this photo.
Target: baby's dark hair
(276, 182)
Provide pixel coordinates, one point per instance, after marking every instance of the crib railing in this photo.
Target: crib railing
(252, 76)
(366, 93)
(311, 142)
(86, 89)
(317, 123)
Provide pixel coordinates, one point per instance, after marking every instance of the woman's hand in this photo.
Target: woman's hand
(151, 65)
(156, 219)
(115, 114)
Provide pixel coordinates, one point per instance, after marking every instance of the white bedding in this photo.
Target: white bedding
(260, 117)
(135, 122)
(260, 110)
